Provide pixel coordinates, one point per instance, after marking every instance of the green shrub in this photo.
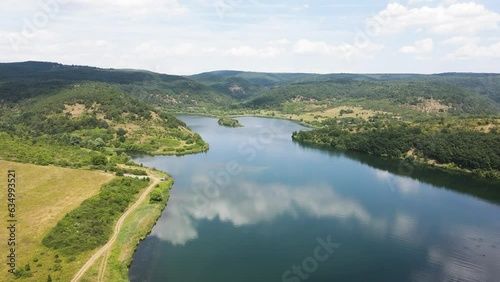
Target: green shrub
(91, 224)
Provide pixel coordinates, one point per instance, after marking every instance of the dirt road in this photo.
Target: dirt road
(105, 249)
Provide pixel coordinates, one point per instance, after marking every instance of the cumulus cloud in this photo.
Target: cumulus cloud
(420, 47)
(160, 49)
(342, 51)
(473, 50)
(168, 8)
(305, 46)
(412, 2)
(459, 18)
(279, 42)
(461, 40)
(175, 37)
(247, 51)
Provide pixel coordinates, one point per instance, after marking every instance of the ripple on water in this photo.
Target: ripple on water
(471, 256)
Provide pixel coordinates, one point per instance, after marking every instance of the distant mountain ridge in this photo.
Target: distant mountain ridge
(227, 88)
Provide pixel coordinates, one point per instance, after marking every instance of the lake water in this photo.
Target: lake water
(259, 207)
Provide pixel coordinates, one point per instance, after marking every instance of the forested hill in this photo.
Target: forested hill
(486, 84)
(242, 85)
(457, 93)
(450, 98)
(23, 80)
(72, 124)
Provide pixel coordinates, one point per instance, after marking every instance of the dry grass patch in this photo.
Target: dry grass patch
(44, 195)
(430, 106)
(75, 110)
(320, 114)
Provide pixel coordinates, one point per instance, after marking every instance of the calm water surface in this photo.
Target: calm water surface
(259, 207)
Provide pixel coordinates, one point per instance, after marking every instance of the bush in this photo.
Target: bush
(99, 160)
(91, 224)
(155, 196)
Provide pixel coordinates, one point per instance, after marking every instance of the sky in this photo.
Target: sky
(316, 36)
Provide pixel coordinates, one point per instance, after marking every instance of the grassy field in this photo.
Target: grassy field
(323, 113)
(136, 227)
(44, 195)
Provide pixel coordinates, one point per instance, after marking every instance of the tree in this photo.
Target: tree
(75, 139)
(99, 142)
(99, 160)
(121, 132)
(155, 196)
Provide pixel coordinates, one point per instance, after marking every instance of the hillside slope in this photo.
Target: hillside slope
(27, 79)
(76, 124)
(451, 99)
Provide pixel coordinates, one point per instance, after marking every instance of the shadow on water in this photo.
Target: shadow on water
(461, 182)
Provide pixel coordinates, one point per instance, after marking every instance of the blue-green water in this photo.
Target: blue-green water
(259, 207)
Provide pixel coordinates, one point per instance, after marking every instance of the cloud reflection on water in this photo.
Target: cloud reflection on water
(252, 203)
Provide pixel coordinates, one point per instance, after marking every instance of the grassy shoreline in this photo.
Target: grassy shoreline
(136, 227)
(37, 262)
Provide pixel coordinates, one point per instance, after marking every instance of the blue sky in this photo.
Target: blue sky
(192, 36)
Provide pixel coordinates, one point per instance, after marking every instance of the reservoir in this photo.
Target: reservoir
(259, 207)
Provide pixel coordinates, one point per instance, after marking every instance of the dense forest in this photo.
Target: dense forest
(23, 80)
(456, 100)
(452, 147)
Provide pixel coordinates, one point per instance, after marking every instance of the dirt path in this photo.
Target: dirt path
(102, 269)
(105, 249)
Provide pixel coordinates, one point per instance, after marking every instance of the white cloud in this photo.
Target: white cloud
(247, 51)
(472, 51)
(420, 47)
(460, 18)
(412, 2)
(155, 49)
(305, 46)
(186, 39)
(461, 40)
(341, 51)
(138, 8)
(279, 42)
(300, 8)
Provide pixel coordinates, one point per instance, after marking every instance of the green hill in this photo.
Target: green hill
(486, 84)
(468, 93)
(241, 85)
(404, 94)
(23, 80)
(88, 124)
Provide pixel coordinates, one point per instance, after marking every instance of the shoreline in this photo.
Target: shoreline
(415, 162)
(283, 117)
(136, 227)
